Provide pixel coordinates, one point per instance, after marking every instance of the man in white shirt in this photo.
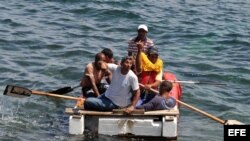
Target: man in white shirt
(123, 91)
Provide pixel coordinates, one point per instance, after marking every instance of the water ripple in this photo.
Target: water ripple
(46, 44)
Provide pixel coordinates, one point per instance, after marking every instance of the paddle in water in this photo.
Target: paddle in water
(17, 91)
(22, 92)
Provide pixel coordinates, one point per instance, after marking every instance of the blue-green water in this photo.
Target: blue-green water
(45, 44)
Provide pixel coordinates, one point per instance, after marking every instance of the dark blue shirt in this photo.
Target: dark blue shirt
(158, 103)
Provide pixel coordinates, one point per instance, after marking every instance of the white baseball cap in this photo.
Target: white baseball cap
(143, 26)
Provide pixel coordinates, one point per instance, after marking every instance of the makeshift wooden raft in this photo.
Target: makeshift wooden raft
(161, 123)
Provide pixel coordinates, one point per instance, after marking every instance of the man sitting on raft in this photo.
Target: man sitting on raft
(93, 75)
(162, 101)
(123, 91)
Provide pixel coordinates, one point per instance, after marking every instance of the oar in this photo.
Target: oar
(197, 82)
(226, 122)
(21, 92)
(64, 90)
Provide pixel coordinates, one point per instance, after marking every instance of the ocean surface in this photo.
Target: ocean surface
(45, 45)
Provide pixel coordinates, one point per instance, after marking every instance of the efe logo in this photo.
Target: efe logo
(236, 132)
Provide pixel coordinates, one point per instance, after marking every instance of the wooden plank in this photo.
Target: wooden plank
(134, 112)
(163, 112)
(70, 111)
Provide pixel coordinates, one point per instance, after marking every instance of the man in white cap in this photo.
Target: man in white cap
(141, 39)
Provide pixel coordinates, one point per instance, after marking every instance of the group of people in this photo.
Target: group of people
(130, 82)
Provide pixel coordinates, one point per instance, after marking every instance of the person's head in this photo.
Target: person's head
(153, 54)
(99, 57)
(126, 63)
(108, 54)
(165, 86)
(142, 31)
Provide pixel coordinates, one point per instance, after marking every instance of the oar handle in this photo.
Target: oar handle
(54, 95)
(79, 103)
(193, 108)
(202, 112)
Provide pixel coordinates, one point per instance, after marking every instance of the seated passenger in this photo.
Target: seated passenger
(123, 91)
(92, 77)
(109, 55)
(162, 101)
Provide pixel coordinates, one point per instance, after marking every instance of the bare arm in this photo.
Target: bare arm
(136, 96)
(157, 82)
(93, 84)
(138, 57)
(108, 76)
(84, 80)
(154, 85)
(88, 79)
(104, 67)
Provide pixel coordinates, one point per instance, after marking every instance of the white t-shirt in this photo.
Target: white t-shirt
(119, 91)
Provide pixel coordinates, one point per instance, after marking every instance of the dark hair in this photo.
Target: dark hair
(107, 52)
(153, 50)
(165, 86)
(126, 58)
(98, 56)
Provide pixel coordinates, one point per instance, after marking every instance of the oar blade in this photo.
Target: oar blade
(62, 90)
(233, 122)
(17, 91)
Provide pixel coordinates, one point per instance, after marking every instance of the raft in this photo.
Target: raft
(161, 123)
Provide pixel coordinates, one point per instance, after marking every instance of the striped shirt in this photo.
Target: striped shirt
(132, 47)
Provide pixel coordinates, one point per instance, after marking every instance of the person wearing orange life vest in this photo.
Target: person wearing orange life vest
(149, 68)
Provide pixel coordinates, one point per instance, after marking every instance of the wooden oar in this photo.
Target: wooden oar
(226, 122)
(197, 82)
(21, 92)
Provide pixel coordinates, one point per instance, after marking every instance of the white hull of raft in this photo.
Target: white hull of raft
(161, 123)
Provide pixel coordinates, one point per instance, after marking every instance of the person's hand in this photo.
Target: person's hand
(147, 87)
(129, 109)
(139, 45)
(80, 102)
(103, 65)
